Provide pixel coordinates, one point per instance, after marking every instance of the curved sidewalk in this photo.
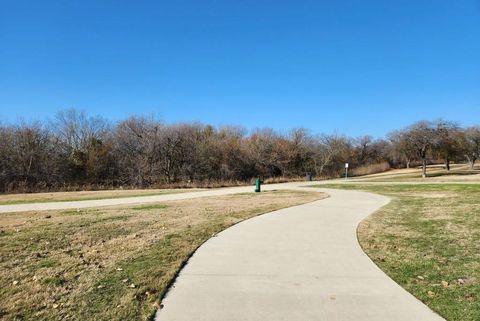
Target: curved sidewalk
(298, 264)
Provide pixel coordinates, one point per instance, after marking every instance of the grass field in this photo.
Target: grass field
(112, 263)
(7, 199)
(435, 173)
(428, 240)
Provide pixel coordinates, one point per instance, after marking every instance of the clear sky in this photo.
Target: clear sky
(352, 66)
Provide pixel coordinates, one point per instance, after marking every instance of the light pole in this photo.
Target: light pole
(346, 171)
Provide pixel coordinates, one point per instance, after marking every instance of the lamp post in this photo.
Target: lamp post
(346, 171)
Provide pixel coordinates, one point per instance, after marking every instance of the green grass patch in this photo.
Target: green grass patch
(47, 263)
(54, 281)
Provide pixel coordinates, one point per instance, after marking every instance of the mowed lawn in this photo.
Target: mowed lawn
(112, 263)
(428, 240)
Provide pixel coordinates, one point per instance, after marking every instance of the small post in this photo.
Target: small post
(258, 185)
(346, 171)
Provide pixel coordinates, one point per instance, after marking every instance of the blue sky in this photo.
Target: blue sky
(353, 66)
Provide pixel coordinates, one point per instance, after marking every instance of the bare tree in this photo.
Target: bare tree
(138, 142)
(77, 136)
(267, 154)
(472, 145)
(298, 153)
(447, 141)
(363, 149)
(170, 149)
(403, 146)
(6, 161)
(421, 137)
(235, 161)
(75, 129)
(79, 150)
(31, 162)
(326, 150)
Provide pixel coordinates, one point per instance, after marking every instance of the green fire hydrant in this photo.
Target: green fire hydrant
(258, 185)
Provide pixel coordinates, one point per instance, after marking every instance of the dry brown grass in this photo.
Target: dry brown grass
(77, 194)
(435, 173)
(112, 263)
(370, 169)
(84, 195)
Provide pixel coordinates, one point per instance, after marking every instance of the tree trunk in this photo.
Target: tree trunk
(471, 161)
(447, 164)
(408, 163)
(424, 167)
(28, 169)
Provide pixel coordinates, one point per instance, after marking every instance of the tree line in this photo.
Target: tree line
(78, 151)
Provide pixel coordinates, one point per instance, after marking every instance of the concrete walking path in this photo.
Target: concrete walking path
(47, 206)
(298, 264)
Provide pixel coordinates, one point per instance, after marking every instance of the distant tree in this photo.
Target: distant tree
(328, 151)
(403, 147)
(137, 151)
(76, 136)
(472, 145)
(382, 151)
(363, 151)
(170, 152)
(448, 139)
(6, 146)
(100, 162)
(191, 167)
(78, 150)
(31, 157)
(263, 149)
(421, 137)
(235, 161)
(367, 150)
(297, 152)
